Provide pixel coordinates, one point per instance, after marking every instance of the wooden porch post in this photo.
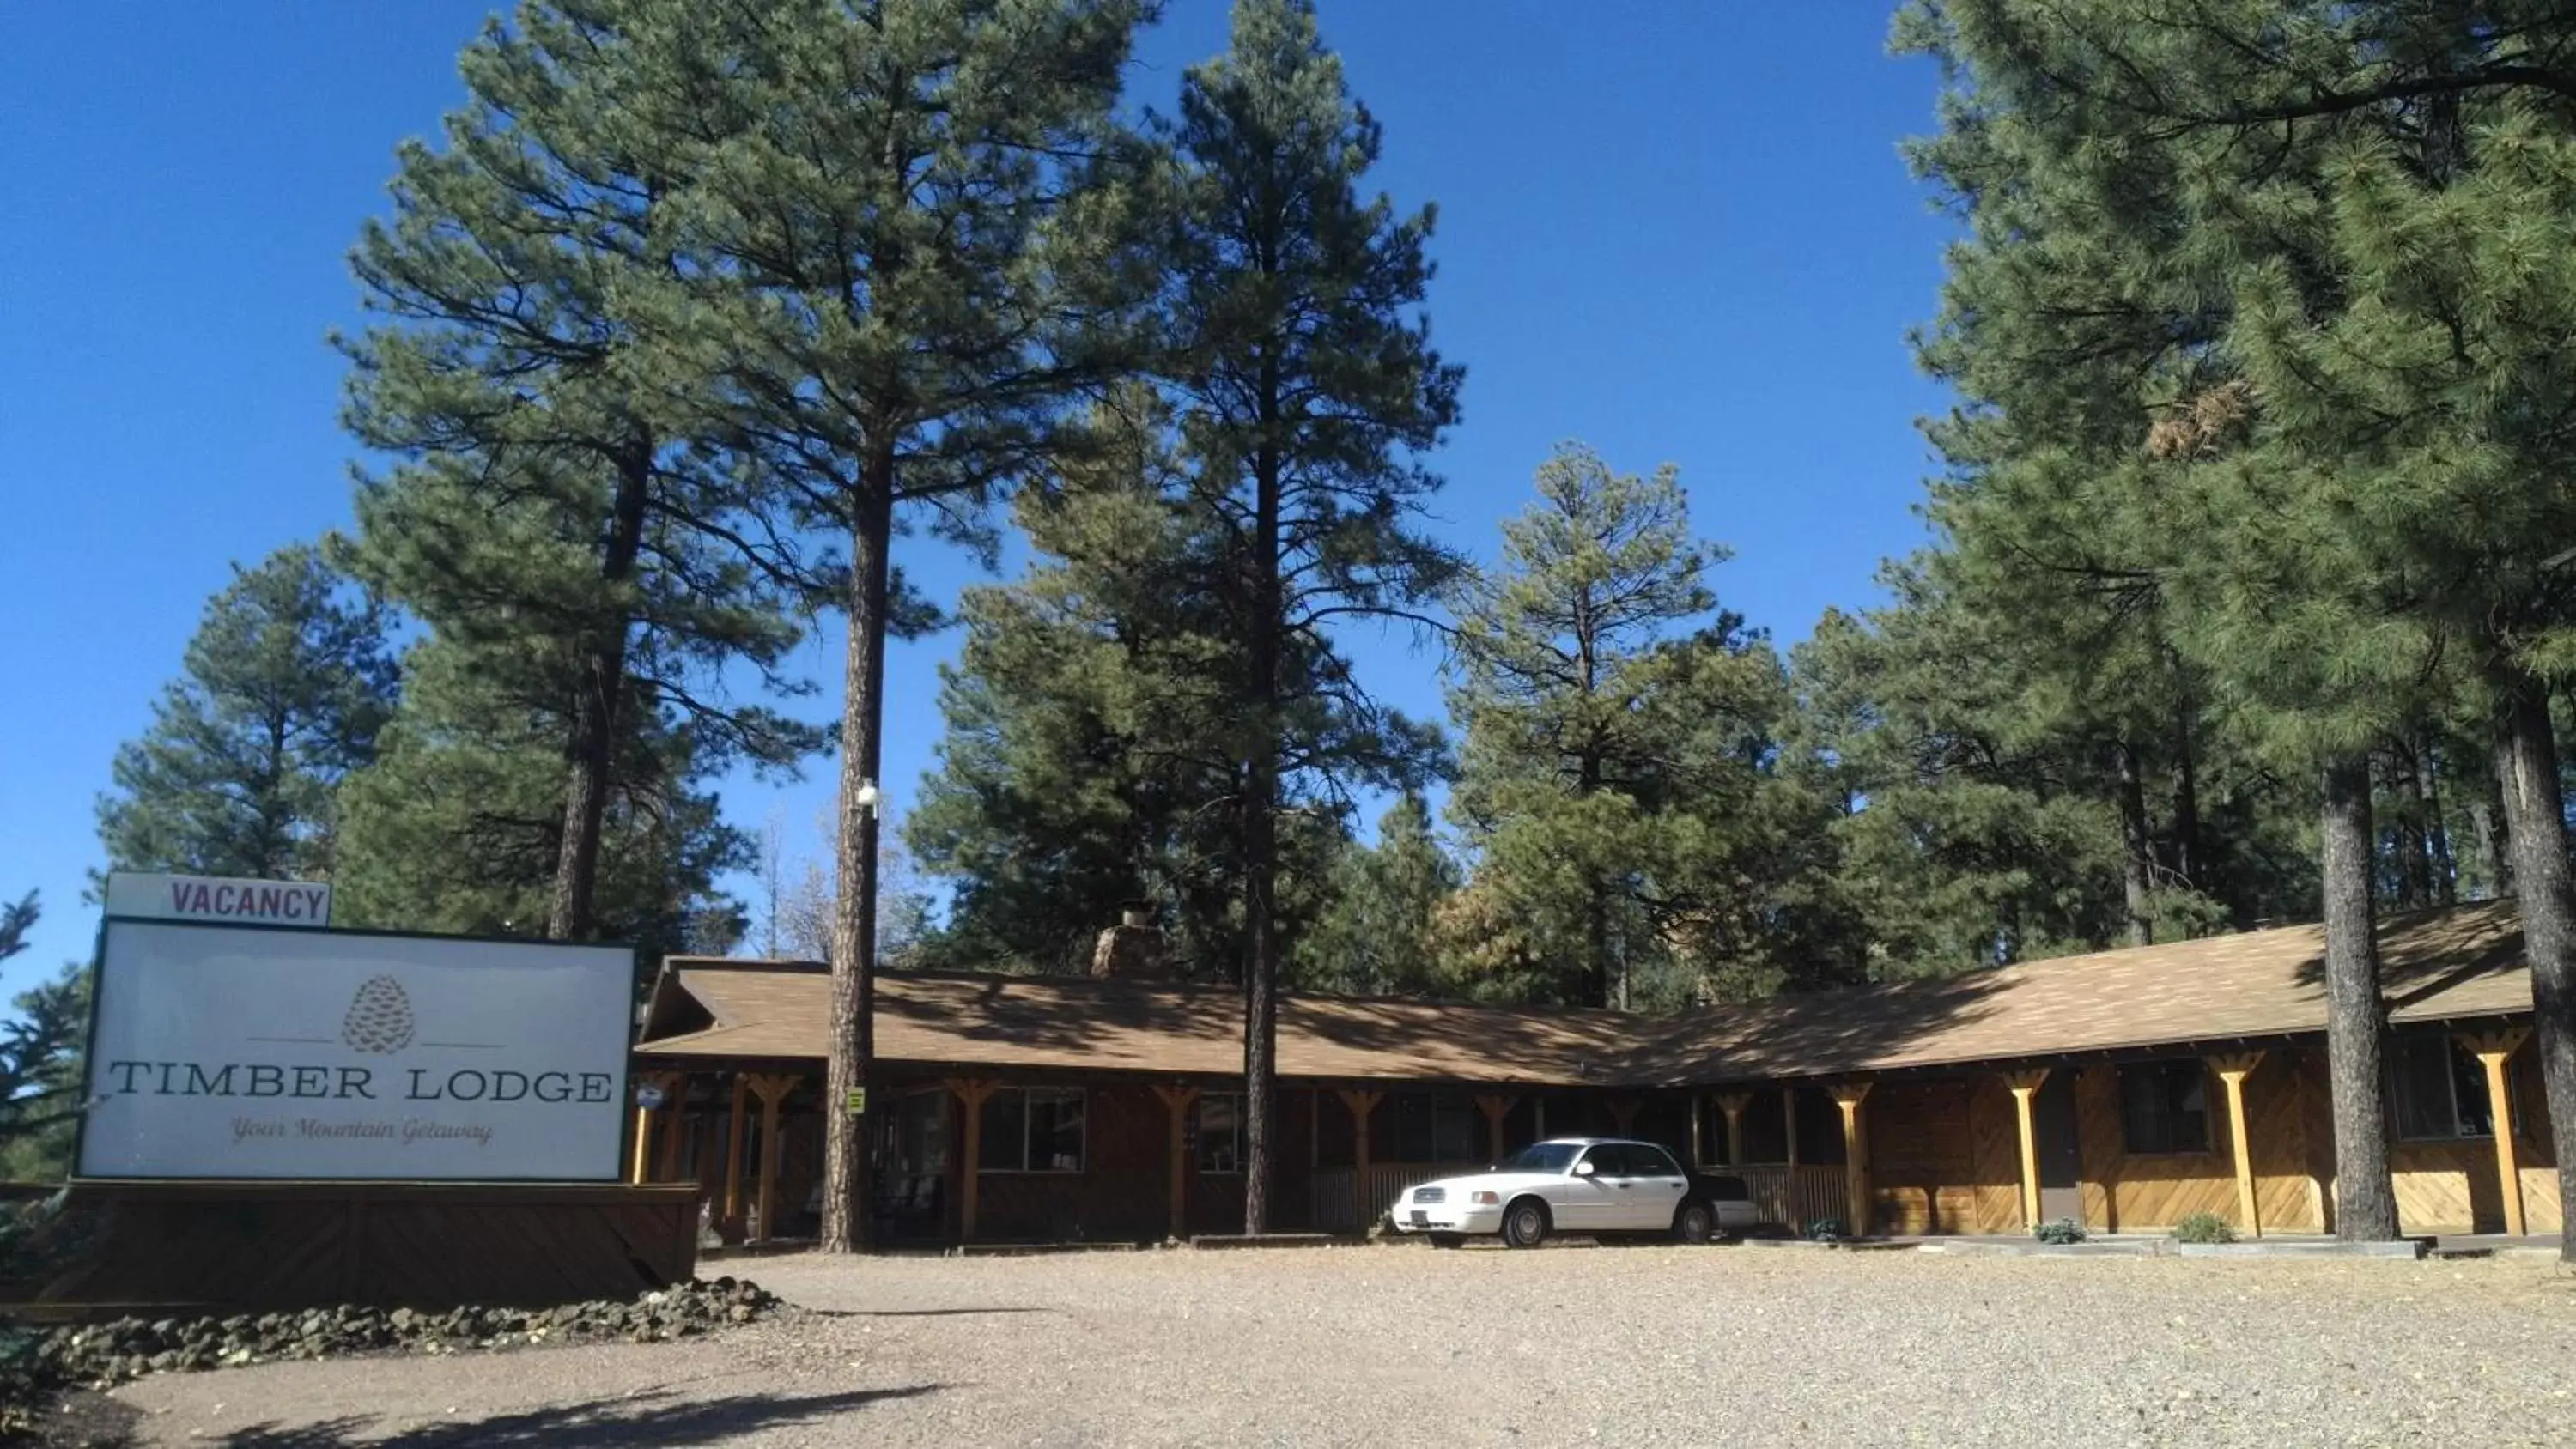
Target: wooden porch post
(973, 1091)
(647, 1118)
(2233, 1068)
(2494, 1049)
(1495, 1110)
(1849, 1096)
(675, 1127)
(1361, 1105)
(733, 1155)
(772, 1089)
(1623, 1110)
(1176, 1103)
(1789, 1124)
(1733, 1104)
(2025, 1085)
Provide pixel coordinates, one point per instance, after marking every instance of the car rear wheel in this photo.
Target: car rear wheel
(1694, 1223)
(1525, 1223)
(1448, 1240)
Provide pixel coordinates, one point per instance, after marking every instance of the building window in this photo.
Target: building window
(2164, 1107)
(1033, 1129)
(1766, 1128)
(2441, 1089)
(1220, 1132)
(1436, 1127)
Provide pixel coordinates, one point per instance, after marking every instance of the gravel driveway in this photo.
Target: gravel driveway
(1400, 1346)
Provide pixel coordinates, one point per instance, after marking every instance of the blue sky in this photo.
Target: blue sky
(1678, 231)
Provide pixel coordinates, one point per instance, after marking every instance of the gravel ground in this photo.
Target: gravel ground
(1402, 1345)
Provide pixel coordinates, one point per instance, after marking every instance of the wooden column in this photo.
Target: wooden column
(1495, 1110)
(647, 1118)
(1698, 1137)
(733, 1154)
(1623, 1110)
(1176, 1104)
(2025, 1085)
(675, 1127)
(1361, 1105)
(2233, 1068)
(1789, 1124)
(772, 1088)
(2494, 1050)
(1733, 1104)
(1849, 1096)
(973, 1092)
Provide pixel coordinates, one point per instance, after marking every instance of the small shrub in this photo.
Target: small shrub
(1827, 1230)
(2204, 1228)
(2061, 1230)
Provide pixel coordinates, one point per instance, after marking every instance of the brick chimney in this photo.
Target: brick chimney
(1132, 950)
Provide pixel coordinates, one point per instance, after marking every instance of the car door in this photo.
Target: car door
(1622, 1181)
(1580, 1201)
(1660, 1186)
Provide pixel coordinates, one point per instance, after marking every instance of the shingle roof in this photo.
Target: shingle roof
(2457, 964)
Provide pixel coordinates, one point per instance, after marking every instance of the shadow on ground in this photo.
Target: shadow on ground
(650, 1419)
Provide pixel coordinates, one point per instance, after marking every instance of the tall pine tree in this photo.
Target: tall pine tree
(1305, 387)
(547, 485)
(283, 689)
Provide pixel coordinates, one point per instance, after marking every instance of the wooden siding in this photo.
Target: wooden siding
(1994, 1137)
(278, 1247)
(1922, 1166)
(2276, 1126)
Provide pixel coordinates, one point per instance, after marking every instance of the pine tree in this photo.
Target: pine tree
(1378, 934)
(1619, 785)
(284, 687)
(1305, 386)
(547, 484)
(457, 826)
(41, 1061)
(905, 230)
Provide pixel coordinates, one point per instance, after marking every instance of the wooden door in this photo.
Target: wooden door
(2061, 1157)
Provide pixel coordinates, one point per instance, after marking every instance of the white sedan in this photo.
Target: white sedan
(1585, 1185)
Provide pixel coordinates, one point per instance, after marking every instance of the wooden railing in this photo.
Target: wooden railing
(1793, 1197)
(1339, 1209)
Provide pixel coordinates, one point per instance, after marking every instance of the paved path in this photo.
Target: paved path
(1396, 1347)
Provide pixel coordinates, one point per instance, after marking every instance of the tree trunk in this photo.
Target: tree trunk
(846, 1226)
(2535, 824)
(1261, 824)
(2356, 1018)
(2186, 821)
(2492, 862)
(2137, 859)
(2414, 876)
(2437, 832)
(591, 752)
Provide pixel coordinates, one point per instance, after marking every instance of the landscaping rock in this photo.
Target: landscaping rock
(102, 1355)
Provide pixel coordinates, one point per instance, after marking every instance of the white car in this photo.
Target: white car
(1584, 1185)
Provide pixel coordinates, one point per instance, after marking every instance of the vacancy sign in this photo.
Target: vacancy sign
(138, 895)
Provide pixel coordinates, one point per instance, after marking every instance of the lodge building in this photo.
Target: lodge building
(2126, 1090)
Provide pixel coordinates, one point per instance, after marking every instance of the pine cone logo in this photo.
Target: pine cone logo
(379, 1018)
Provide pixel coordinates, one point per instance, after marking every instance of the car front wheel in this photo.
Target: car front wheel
(1525, 1224)
(1695, 1223)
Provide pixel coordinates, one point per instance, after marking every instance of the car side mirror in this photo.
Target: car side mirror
(1586, 1169)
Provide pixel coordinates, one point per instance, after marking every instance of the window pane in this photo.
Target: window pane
(1005, 1131)
(2419, 1069)
(1457, 1130)
(1820, 1127)
(1055, 1130)
(1220, 1132)
(2164, 1107)
(1766, 1131)
(2469, 1091)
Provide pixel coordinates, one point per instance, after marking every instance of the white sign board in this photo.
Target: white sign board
(253, 1052)
(218, 898)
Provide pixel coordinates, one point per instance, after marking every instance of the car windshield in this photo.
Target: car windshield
(1543, 1157)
